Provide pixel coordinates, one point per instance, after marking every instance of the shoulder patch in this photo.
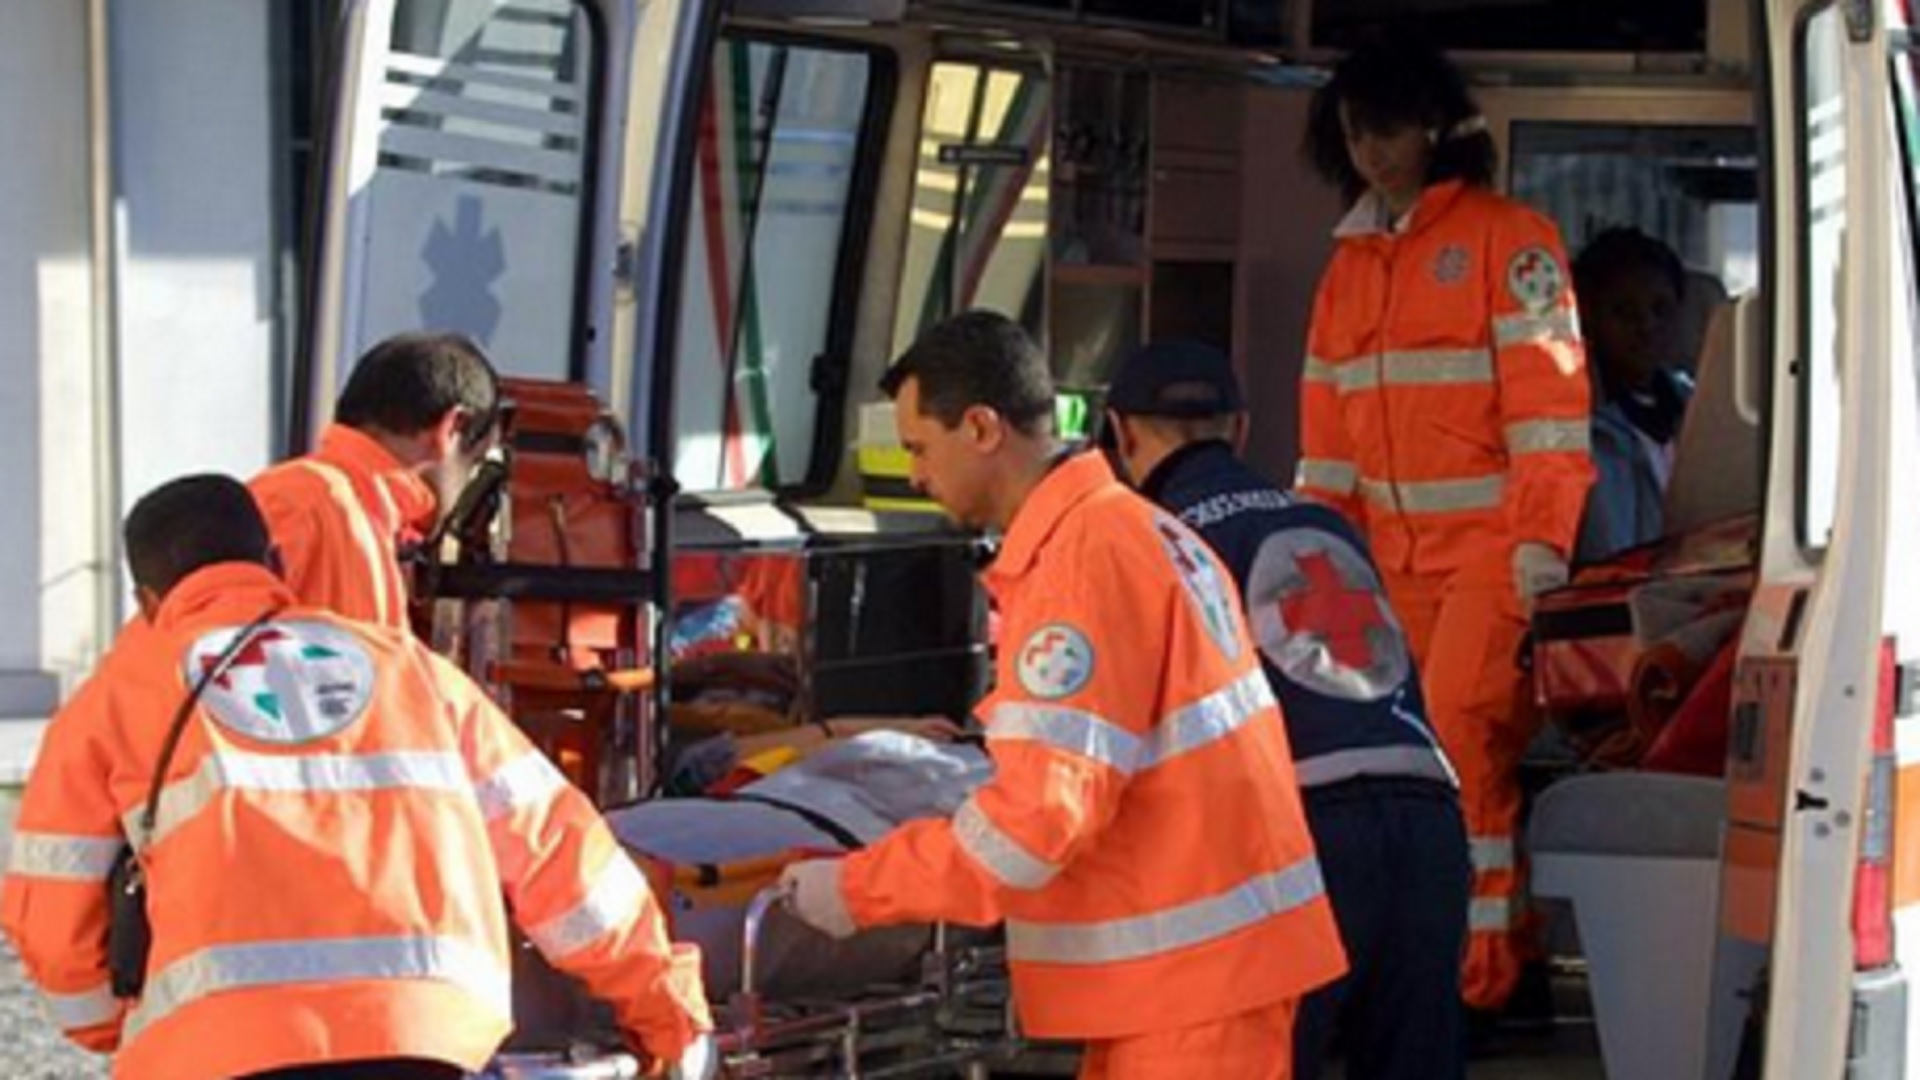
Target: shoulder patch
(1055, 661)
(1207, 587)
(295, 682)
(1452, 265)
(1536, 279)
(1321, 617)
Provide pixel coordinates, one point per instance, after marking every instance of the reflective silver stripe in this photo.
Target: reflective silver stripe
(1321, 371)
(1437, 496)
(1547, 436)
(1490, 914)
(1001, 855)
(1327, 475)
(1523, 328)
(1345, 376)
(610, 904)
(1247, 904)
(1072, 730)
(341, 488)
(416, 770)
(76, 1012)
(1416, 762)
(528, 780)
(1491, 853)
(222, 968)
(1437, 367)
(63, 858)
(1210, 719)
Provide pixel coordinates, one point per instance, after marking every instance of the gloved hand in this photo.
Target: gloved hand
(811, 891)
(1536, 569)
(700, 1061)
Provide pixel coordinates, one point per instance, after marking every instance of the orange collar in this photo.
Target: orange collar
(362, 456)
(230, 590)
(1064, 487)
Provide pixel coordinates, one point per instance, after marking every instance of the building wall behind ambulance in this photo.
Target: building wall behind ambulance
(198, 306)
(196, 303)
(46, 529)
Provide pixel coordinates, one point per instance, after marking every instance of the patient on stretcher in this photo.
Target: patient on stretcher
(710, 855)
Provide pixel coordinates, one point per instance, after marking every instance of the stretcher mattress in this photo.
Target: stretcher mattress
(719, 852)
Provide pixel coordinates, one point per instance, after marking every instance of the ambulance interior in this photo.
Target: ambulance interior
(1107, 172)
(1112, 185)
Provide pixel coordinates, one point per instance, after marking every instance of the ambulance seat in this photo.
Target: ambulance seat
(1716, 465)
(1637, 857)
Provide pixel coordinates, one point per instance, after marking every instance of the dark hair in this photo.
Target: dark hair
(190, 523)
(1623, 249)
(405, 384)
(1389, 86)
(977, 358)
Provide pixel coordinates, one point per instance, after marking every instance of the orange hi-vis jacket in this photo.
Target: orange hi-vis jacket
(325, 875)
(1445, 401)
(337, 515)
(1142, 836)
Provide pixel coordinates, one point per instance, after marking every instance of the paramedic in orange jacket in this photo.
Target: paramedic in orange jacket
(1444, 408)
(1142, 838)
(335, 830)
(417, 415)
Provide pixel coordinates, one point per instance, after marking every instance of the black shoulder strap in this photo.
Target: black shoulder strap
(214, 670)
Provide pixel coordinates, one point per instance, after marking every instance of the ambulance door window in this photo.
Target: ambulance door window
(978, 233)
(1695, 188)
(477, 200)
(783, 153)
(1822, 153)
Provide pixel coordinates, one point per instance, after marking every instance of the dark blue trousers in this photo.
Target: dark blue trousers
(1394, 856)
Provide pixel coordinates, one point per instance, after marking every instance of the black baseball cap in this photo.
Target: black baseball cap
(1175, 378)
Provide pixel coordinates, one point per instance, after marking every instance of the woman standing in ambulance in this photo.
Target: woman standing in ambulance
(1444, 408)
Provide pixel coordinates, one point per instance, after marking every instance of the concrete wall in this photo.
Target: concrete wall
(194, 309)
(46, 549)
(192, 131)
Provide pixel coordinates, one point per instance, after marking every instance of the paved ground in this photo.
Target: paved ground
(30, 1047)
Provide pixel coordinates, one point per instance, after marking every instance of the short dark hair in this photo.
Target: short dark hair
(977, 358)
(191, 523)
(405, 384)
(1624, 249)
(1390, 85)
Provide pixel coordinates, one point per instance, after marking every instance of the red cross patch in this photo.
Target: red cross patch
(1321, 618)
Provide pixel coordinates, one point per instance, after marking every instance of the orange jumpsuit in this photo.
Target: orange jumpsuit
(1445, 408)
(1142, 836)
(325, 875)
(336, 516)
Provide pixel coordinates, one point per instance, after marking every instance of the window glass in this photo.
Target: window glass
(1695, 188)
(479, 196)
(779, 137)
(1823, 210)
(978, 230)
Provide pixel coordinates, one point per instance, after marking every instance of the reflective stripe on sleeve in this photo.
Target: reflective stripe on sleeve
(1491, 853)
(528, 780)
(1490, 914)
(1001, 855)
(1523, 328)
(63, 858)
(1074, 731)
(1210, 719)
(609, 905)
(1327, 474)
(1549, 436)
(77, 1012)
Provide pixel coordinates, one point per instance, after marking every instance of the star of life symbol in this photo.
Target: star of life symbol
(292, 682)
(1056, 661)
(1321, 618)
(1451, 264)
(1536, 279)
(1206, 586)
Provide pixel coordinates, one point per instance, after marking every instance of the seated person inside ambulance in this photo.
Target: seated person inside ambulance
(1630, 287)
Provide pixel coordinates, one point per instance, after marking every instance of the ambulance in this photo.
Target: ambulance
(724, 220)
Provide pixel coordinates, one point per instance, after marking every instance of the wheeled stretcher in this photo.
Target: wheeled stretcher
(550, 587)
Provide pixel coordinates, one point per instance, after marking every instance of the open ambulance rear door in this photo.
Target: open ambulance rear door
(503, 168)
(1813, 841)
